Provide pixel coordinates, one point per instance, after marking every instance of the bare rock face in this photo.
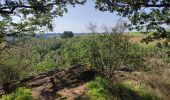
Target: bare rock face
(45, 85)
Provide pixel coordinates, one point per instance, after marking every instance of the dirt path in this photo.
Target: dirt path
(76, 93)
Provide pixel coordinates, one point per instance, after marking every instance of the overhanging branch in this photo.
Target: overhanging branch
(8, 10)
(140, 5)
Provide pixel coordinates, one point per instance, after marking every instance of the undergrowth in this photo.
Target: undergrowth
(20, 94)
(103, 89)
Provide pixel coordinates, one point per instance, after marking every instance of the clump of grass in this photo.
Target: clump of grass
(103, 89)
(159, 45)
(97, 89)
(126, 91)
(165, 44)
(20, 94)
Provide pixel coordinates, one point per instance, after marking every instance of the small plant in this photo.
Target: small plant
(20, 94)
(98, 90)
(165, 44)
(158, 45)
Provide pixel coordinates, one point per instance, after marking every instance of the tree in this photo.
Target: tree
(67, 34)
(30, 16)
(144, 15)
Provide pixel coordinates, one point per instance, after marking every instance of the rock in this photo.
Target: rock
(47, 84)
(126, 69)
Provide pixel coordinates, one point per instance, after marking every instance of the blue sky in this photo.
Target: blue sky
(78, 18)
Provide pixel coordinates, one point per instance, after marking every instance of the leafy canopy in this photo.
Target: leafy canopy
(30, 16)
(144, 15)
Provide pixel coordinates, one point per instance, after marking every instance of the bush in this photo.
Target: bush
(76, 51)
(56, 46)
(7, 75)
(20, 94)
(67, 34)
(98, 89)
(110, 52)
(44, 66)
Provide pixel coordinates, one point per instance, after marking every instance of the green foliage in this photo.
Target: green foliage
(167, 58)
(110, 52)
(42, 51)
(75, 51)
(8, 74)
(56, 46)
(126, 91)
(44, 66)
(32, 15)
(140, 19)
(20, 94)
(67, 34)
(102, 89)
(105, 52)
(97, 89)
(33, 56)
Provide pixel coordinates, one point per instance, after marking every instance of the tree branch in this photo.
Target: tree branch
(140, 5)
(8, 10)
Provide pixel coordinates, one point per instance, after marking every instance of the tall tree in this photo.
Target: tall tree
(30, 16)
(144, 15)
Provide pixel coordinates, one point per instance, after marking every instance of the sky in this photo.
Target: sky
(77, 19)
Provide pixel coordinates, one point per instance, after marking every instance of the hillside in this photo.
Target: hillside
(48, 69)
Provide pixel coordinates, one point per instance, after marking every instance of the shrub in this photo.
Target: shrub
(97, 89)
(110, 52)
(76, 51)
(56, 46)
(44, 66)
(20, 94)
(7, 75)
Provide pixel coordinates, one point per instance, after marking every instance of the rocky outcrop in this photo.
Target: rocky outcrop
(45, 85)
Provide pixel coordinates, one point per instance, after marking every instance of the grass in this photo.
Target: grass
(103, 89)
(97, 89)
(20, 94)
(133, 33)
(126, 91)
